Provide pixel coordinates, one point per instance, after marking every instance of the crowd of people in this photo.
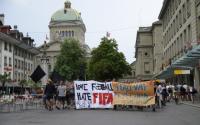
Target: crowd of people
(166, 93)
(61, 95)
(55, 95)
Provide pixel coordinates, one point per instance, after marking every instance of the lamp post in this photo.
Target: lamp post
(45, 61)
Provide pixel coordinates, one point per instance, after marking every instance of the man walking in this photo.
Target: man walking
(61, 95)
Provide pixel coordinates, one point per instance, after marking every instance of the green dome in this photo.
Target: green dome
(66, 15)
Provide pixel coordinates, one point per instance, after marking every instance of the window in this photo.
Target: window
(15, 63)
(28, 66)
(63, 33)
(188, 8)
(72, 33)
(5, 46)
(22, 65)
(10, 61)
(184, 14)
(180, 19)
(146, 54)
(5, 61)
(25, 66)
(10, 48)
(15, 50)
(18, 64)
(66, 33)
(189, 33)
(19, 77)
(146, 68)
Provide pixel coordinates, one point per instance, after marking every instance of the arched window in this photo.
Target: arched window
(70, 33)
(66, 33)
(63, 33)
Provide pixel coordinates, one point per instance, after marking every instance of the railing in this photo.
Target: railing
(19, 105)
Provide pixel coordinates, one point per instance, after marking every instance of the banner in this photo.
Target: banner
(92, 94)
(140, 94)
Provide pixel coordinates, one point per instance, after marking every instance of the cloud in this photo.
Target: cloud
(21, 2)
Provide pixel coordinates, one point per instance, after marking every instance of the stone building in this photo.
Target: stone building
(17, 53)
(149, 51)
(144, 54)
(65, 23)
(180, 19)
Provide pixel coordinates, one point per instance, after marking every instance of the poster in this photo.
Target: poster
(140, 94)
(93, 94)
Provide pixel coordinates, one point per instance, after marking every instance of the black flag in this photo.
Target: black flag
(37, 74)
(56, 77)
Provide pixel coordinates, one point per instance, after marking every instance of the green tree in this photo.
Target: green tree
(3, 79)
(106, 62)
(71, 63)
(23, 83)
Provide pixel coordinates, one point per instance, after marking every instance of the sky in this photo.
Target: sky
(121, 18)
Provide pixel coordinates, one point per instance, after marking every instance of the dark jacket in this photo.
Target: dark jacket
(50, 89)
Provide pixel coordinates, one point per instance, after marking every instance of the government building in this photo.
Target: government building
(172, 52)
(65, 23)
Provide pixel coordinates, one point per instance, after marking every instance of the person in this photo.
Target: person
(193, 91)
(50, 91)
(61, 95)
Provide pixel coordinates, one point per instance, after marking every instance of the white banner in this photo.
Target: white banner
(93, 94)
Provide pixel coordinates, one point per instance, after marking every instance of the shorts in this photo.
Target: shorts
(48, 97)
(61, 98)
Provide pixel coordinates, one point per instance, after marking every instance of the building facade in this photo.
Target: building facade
(16, 53)
(65, 23)
(149, 51)
(180, 19)
(144, 54)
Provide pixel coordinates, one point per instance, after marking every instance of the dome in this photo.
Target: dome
(66, 14)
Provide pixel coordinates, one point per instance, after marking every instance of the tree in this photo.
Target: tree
(3, 79)
(23, 83)
(71, 63)
(106, 62)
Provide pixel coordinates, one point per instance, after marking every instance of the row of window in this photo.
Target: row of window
(175, 25)
(19, 76)
(17, 51)
(23, 54)
(66, 33)
(23, 66)
(181, 42)
(179, 12)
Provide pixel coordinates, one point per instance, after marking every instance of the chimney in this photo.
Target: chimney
(1, 19)
(15, 27)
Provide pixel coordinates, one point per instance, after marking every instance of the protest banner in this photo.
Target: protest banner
(139, 94)
(93, 94)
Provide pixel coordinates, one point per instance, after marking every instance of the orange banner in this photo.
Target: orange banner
(141, 93)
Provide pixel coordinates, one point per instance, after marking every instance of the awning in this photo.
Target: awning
(186, 62)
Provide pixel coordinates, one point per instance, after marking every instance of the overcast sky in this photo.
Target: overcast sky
(119, 17)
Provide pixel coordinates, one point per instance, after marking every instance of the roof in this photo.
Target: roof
(20, 44)
(66, 15)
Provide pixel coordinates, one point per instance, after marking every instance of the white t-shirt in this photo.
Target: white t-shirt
(61, 90)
